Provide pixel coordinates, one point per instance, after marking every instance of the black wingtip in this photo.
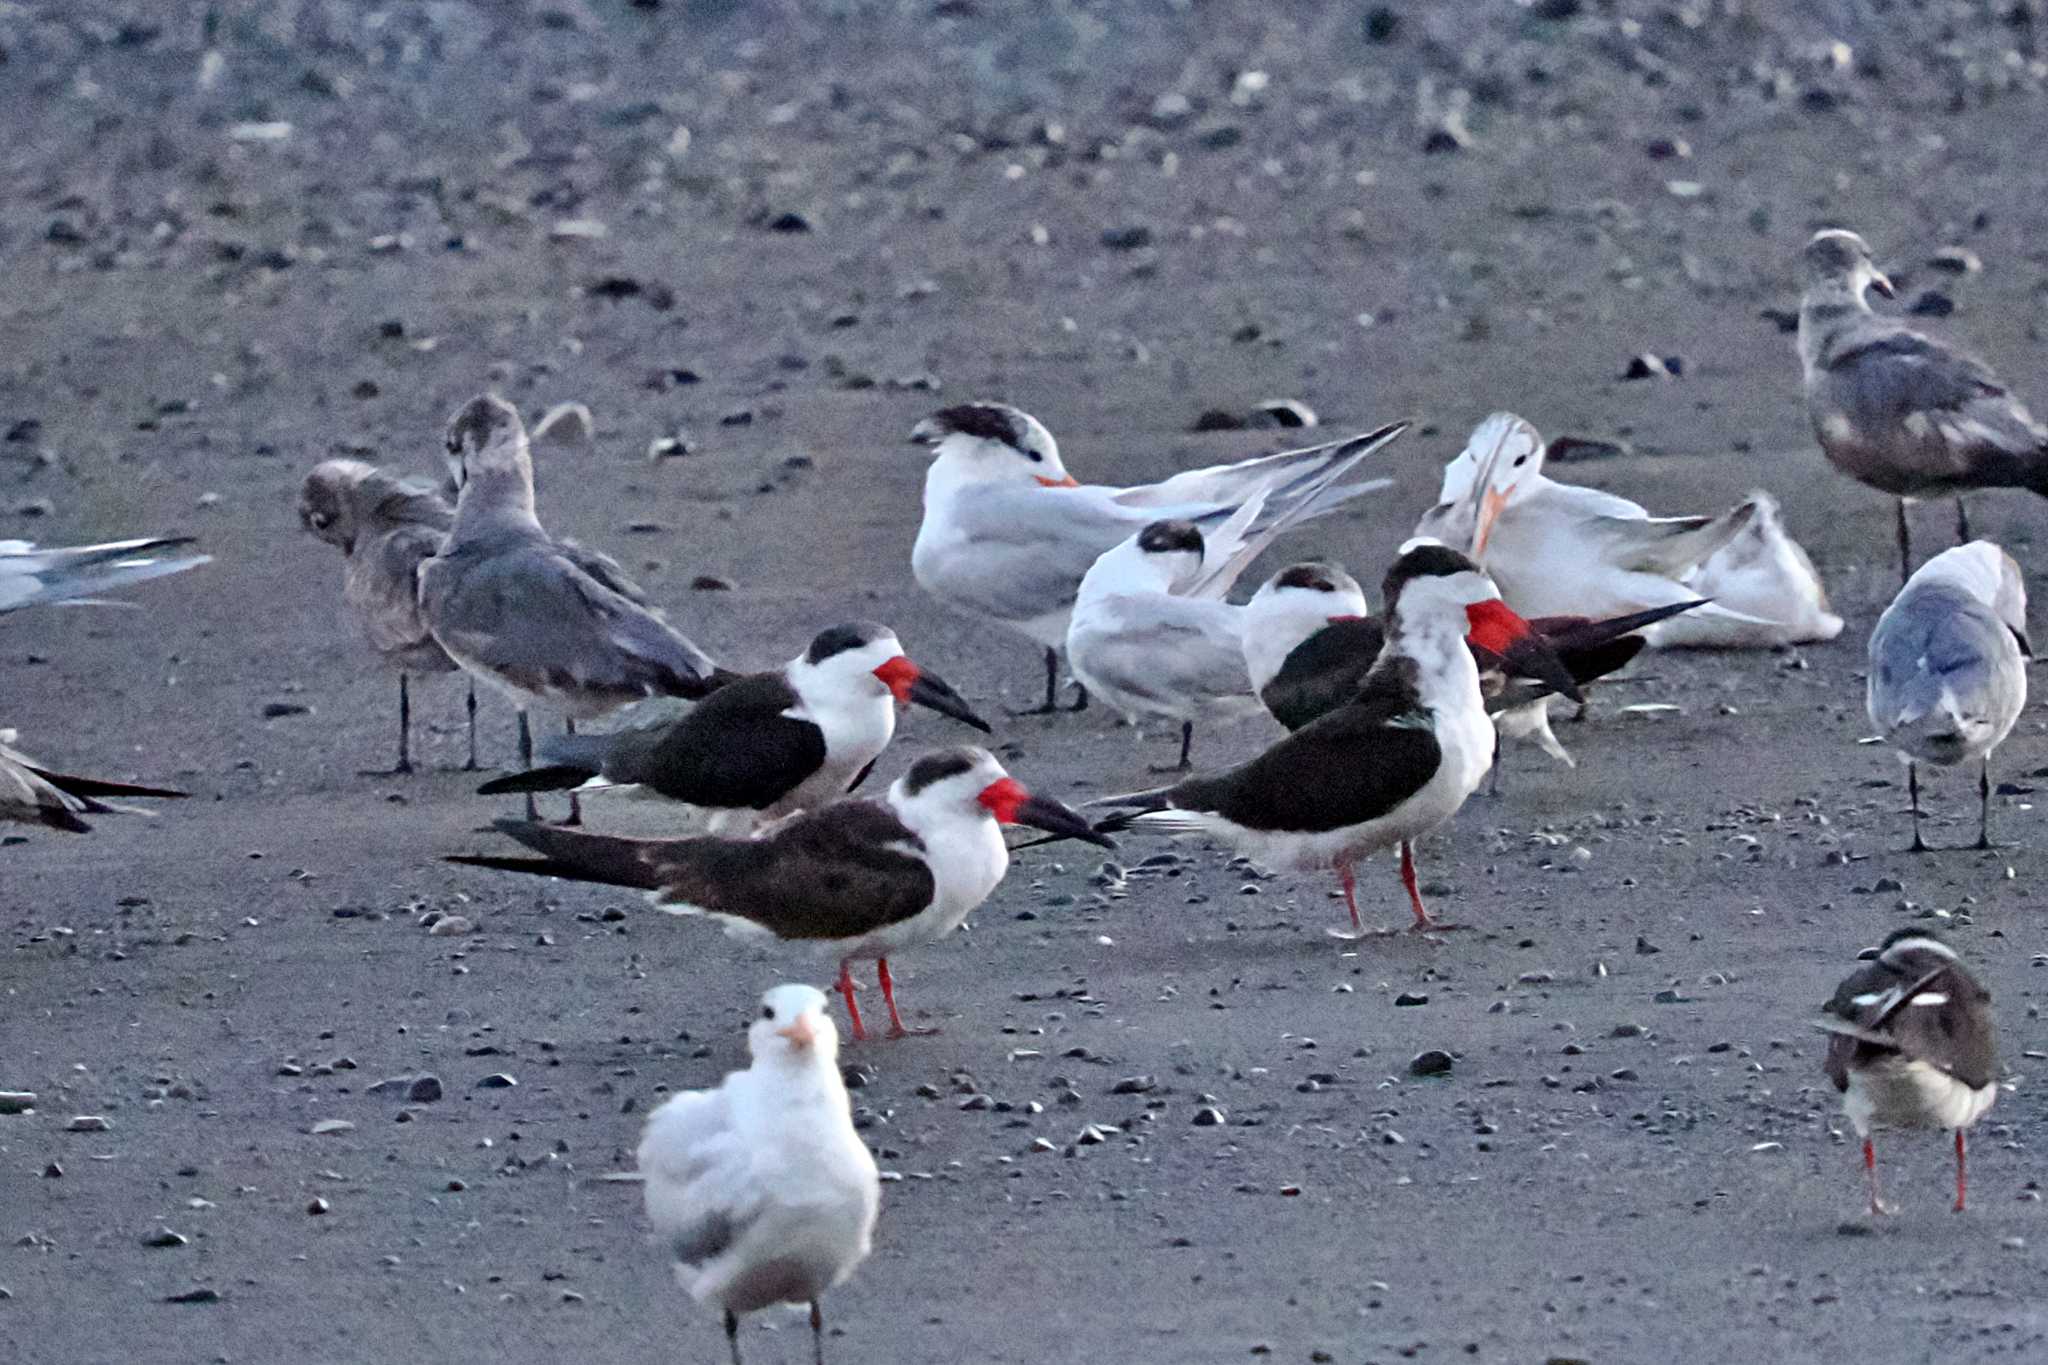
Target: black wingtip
(554, 779)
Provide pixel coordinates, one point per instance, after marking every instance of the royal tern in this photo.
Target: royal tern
(512, 608)
(31, 794)
(385, 528)
(1910, 1045)
(1894, 408)
(760, 1190)
(1008, 534)
(1391, 764)
(1948, 668)
(1559, 549)
(866, 878)
(766, 744)
(30, 577)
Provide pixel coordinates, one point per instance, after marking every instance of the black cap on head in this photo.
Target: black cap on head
(1316, 577)
(839, 639)
(941, 764)
(988, 421)
(1163, 537)
(1424, 561)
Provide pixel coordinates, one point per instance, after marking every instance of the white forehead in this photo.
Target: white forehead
(788, 1001)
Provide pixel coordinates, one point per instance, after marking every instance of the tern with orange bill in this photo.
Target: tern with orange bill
(863, 878)
(1386, 767)
(1008, 533)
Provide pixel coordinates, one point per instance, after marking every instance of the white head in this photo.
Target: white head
(863, 661)
(1290, 607)
(948, 786)
(793, 1028)
(1837, 261)
(1509, 469)
(1987, 573)
(487, 452)
(992, 443)
(1430, 578)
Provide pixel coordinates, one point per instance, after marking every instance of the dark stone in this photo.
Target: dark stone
(1129, 238)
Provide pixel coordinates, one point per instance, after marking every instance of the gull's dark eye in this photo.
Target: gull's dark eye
(323, 520)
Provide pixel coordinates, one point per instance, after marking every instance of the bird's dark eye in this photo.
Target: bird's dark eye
(767, 1011)
(1522, 461)
(1036, 458)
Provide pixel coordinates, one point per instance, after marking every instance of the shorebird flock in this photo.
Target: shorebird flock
(1517, 594)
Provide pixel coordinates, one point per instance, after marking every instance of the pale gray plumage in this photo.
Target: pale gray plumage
(32, 577)
(509, 604)
(1897, 409)
(1947, 676)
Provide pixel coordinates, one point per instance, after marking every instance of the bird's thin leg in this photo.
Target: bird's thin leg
(575, 803)
(846, 989)
(1983, 814)
(526, 759)
(1962, 521)
(1905, 544)
(1080, 697)
(1960, 1181)
(1422, 919)
(1051, 704)
(818, 1331)
(403, 767)
(1493, 780)
(1870, 1170)
(1349, 882)
(732, 1335)
(896, 1029)
(470, 706)
(1913, 796)
(1187, 738)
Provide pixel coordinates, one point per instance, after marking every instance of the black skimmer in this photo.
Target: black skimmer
(1897, 410)
(513, 608)
(869, 878)
(385, 528)
(1559, 549)
(1391, 764)
(760, 1190)
(1309, 644)
(32, 577)
(1910, 1045)
(1008, 534)
(34, 795)
(1948, 668)
(765, 744)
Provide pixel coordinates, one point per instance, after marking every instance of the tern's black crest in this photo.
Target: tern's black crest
(1424, 561)
(988, 421)
(1165, 537)
(839, 639)
(939, 765)
(1315, 577)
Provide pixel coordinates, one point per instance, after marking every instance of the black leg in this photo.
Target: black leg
(1905, 545)
(575, 803)
(1187, 739)
(818, 1315)
(1080, 698)
(1983, 795)
(526, 759)
(403, 767)
(732, 1335)
(1962, 521)
(1052, 687)
(470, 766)
(1493, 781)
(1913, 794)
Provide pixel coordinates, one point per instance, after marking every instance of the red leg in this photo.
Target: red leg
(1350, 884)
(1959, 1170)
(846, 989)
(1870, 1169)
(896, 1029)
(1422, 920)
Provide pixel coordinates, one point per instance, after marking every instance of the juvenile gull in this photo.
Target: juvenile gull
(760, 1190)
(766, 744)
(1008, 534)
(1896, 409)
(1948, 668)
(513, 608)
(1910, 1045)
(385, 528)
(864, 878)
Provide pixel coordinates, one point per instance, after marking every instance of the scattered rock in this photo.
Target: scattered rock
(1648, 366)
(1956, 260)
(17, 1101)
(1409, 999)
(278, 710)
(317, 1206)
(448, 926)
(1434, 1062)
(1130, 238)
(788, 222)
(88, 1123)
(1133, 1085)
(327, 1126)
(424, 1089)
(1209, 1116)
(1931, 303)
(163, 1238)
(1282, 414)
(710, 582)
(497, 1080)
(200, 1295)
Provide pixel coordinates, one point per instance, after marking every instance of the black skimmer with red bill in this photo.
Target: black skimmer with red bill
(768, 743)
(34, 795)
(1894, 408)
(1910, 1045)
(1309, 642)
(514, 608)
(760, 1190)
(1387, 766)
(385, 528)
(866, 878)
(1008, 533)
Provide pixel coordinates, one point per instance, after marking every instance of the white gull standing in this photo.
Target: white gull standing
(761, 1190)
